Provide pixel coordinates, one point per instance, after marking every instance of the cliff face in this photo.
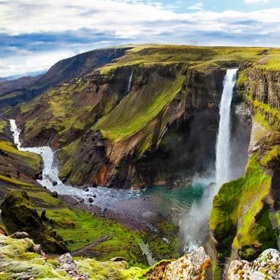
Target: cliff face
(262, 85)
(148, 117)
(160, 130)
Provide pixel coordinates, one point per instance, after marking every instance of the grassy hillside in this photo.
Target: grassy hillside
(137, 109)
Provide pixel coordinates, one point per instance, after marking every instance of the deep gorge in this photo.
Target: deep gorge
(158, 127)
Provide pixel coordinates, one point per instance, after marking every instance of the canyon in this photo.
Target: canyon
(147, 117)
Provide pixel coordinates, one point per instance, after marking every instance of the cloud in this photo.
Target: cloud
(32, 31)
(197, 6)
(256, 1)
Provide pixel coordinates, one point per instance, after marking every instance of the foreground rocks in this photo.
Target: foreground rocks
(21, 259)
(191, 266)
(266, 266)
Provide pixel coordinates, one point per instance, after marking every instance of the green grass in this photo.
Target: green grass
(271, 156)
(43, 198)
(271, 61)
(80, 228)
(200, 58)
(136, 110)
(65, 109)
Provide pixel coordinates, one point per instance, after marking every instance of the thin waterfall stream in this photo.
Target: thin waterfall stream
(130, 82)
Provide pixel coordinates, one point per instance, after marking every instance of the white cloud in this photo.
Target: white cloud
(197, 6)
(30, 62)
(129, 21)
(256, 1)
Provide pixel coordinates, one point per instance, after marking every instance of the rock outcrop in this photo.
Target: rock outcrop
(19, 214)
(266, 266)
(192, 266)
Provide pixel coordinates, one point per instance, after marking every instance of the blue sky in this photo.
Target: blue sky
(36, 34)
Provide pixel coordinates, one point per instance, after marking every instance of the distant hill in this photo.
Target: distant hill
(25, 88)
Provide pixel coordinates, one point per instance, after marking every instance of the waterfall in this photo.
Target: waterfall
(223, 149)
(195, 222)
(130, 82)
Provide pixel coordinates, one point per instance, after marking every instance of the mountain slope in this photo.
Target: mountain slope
(64, 70)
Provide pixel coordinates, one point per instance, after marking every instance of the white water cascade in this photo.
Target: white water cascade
(101, 196)
(130, 82)
(196, 220)
(223, 149)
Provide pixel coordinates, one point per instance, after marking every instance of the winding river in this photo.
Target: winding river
(100, 196)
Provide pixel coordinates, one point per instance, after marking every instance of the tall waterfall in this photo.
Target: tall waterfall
(130, 82)
(223, 150)
(195, 222)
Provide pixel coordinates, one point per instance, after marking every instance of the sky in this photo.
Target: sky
(36, 34)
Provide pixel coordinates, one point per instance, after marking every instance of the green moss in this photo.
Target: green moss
(216, 271)
(17, 262)
(43, 198)
(121, 123)
(271, 156)
(241, 79)
(267, 116)
(19, 214)
(79, 229)
(235, 218)
(277, 218)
